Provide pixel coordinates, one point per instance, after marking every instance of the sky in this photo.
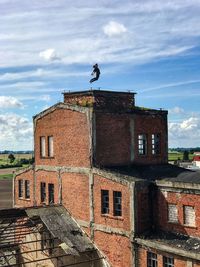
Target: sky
(149, 47)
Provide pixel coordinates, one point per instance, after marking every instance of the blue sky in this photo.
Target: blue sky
(150, 47)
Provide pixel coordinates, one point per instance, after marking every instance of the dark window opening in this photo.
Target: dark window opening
(117, 203)
(27, 189)
(43, 192)
(104, 201)
(152, 259)
(155, 142)
(51, 193)
(168, 262)
(142, 144)
(20, 188)
(47, 242)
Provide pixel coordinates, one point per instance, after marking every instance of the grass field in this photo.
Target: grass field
(177, 156)
(4, 157)
(6, 176)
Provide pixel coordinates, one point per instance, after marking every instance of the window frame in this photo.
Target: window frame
(43, 193)
(167, 263)
(156, 144)
(105, 209)
(50, 146)
(152, 259)
(51, 196)
(117, 203)
(20, 188)
(42, 147)
(142, 144)
(27, 189)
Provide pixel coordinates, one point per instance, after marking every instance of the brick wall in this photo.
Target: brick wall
(113, 139)
(70, 133)
(75, 195)
(120, 222)
(116, 248)
(23, 201)
(142, 258)
(180, 200)
(48, 178)
(151, 124)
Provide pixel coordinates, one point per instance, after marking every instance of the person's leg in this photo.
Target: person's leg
(92, 80)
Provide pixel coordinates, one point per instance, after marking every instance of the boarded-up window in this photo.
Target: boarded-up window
(50, 146)
(172, 213)
(42, 146)
(189, 215)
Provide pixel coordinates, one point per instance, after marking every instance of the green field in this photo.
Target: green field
(178, 156)
(6, 176)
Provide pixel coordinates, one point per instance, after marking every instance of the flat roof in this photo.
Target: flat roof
(97, 92)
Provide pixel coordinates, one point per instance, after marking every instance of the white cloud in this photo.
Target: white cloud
(185, 133)
(10, 102)
(15, 132)
(49, 55)
(114, 28)
(176, 110)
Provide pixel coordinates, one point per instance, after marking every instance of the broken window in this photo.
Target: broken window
(50, 146)
(42, 146)
(168, 261)
(104, 201)
(152, 259)
(20, 188)
(43, 192)
(172, 213)
(142, 144)
(27, 189)
(189, 215)
(117, 203)
(51, 193)
(155, 142)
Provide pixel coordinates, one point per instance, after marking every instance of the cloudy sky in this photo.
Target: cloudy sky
(151, 47)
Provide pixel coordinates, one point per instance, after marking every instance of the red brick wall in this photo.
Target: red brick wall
(70, 133)
(122, 222)
(48, 178)
(151, 124)
(112, 139)
(180, 199)
(142, 258)
(116, 248)
(75, 195)
(23, 202)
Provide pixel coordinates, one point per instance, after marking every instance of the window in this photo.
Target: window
(42, 147)
(151, 259)
(117, 203)
(172, 213)
(155, 142)
(20, 188)
(50, 146)
(104, 201)
(142, 144)
(51, 193)
(27, 189)
(43, 192)
(47, 241)
(189, 215)
(168, 262)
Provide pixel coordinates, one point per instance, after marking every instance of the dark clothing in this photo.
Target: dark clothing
(96, 71)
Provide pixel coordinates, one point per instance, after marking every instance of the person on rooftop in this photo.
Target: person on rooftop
(96, 73)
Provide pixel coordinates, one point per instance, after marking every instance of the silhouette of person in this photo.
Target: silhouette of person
(96, 72)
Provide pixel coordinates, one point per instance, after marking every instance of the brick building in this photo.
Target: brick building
(105, 160)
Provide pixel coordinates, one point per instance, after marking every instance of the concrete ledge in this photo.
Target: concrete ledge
(178, 185)
(111, 230)
(166, 248)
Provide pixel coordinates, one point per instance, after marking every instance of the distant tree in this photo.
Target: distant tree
(185, 155)
(11, 157)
